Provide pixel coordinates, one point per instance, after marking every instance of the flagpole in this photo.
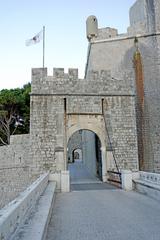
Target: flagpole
(43, 44)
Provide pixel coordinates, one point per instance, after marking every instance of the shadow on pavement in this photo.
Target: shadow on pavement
(92, 186)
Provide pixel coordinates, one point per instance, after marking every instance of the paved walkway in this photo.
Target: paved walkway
(104, 214)
(80, 174)
(82, 179)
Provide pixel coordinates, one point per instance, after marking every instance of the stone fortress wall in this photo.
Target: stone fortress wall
(115, 53)
(14, 168)
(144, 17)
(107, 93)
(99, 82)
(56, 97)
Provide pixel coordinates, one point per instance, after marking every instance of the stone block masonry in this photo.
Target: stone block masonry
(55, 98)
(98, 83)
(105, 101)
(116, 54)
(13, 180)
(47, 132)
(15, 174)
(119, 115)
(15, 213)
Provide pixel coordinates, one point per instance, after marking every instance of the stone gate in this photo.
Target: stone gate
(118, 100)
(63, 104)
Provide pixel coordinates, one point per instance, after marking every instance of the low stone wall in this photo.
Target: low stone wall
(13, 181)
(14, 214)
(149, 184)
(17, 153)
(14, 168)
(62, 180)
(149, 177)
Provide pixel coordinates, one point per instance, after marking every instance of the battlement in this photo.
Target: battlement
(105, 33)
(57, 73)
(97, 82)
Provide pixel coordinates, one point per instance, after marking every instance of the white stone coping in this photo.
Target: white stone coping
(62, 180)
(148, 184)
(124, 37)
(13, 215)
(36, 226)
(150, 177)
(149, 180)
(126, 176)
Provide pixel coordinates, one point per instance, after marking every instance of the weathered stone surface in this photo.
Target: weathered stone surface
(117, 54)
(109, 214)
(100, 94)
(62, 104)
(15, 174)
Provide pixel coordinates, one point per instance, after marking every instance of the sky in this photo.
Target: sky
(65, 39)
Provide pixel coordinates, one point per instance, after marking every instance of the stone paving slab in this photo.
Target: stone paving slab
(91, 186)
(104, 215)
(80, 174)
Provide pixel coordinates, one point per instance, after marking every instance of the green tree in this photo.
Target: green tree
(14, 112)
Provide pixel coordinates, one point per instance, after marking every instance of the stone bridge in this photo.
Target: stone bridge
(92, 210)
(116, 108)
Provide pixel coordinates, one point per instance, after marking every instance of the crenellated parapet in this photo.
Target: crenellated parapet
(59, 73)
(106, 33)
(98, 83)
(42, 83)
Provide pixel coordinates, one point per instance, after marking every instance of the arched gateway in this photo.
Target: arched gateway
(85, 162)
(95, 124)
(63, 104)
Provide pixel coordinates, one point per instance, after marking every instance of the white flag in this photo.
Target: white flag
(36, 39)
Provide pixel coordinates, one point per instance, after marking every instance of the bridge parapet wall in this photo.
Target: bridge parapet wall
(150, 177)
(148, 184)
(14, 214)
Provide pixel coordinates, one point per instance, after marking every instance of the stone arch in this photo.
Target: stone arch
(73, 143)
(95, 124)
(77, 153)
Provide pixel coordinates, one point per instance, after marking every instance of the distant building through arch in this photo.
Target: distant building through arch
(90, 151)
